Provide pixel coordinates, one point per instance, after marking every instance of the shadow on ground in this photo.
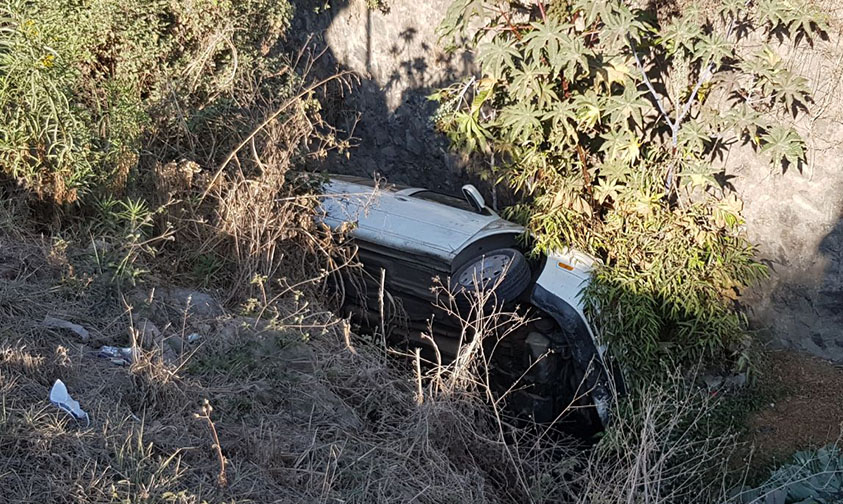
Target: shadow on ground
(805, 308)
(387, 111)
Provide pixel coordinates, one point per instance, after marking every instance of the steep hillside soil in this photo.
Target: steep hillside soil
(805, 407)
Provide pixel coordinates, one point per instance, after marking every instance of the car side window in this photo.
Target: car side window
(444, 199)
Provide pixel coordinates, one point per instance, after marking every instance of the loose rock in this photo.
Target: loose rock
(56, 323)
(197, 303)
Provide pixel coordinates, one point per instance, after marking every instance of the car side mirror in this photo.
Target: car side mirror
(473, 196)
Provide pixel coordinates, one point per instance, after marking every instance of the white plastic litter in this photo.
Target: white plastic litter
(122, 356)
(193, 337)
(61, 398)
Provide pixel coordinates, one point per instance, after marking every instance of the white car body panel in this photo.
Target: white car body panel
(397, 220)
(566, 273)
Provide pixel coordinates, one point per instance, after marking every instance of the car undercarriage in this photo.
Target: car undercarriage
(531, 359)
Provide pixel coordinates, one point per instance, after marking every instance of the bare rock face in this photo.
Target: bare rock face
(156, 302)
(398, 49)
(400, 62)
(147, 332)
(796, 218)
(199, 304)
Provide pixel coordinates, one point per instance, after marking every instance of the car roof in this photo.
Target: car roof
(391, 216)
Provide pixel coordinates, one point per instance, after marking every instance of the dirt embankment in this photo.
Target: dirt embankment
(805, 409)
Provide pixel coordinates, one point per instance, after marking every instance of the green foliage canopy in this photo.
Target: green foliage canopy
(87, 88)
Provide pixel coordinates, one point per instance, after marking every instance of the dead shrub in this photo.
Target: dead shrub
(663, 447)
(252, 215)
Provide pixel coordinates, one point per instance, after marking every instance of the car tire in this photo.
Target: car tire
(488, 269)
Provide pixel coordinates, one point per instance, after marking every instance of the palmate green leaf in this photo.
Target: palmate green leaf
(711, 120)
(550, 44)
(545, 40)
(807, 19)
(767, 58)
(774, 12)
(621, 145)
(520, 122)
(617, 69)
(630, 105)
(526, 82)
(589, 107)
(797, 16)
(697, 173)
(497, 57)
(457, 16)
(608, 190)
(563, 118)
(547, 95)
(693, 135)
(572, 60)
(681, 33)
(774, 80)
(783, 143)
(620, 23)
(789, 88)
(744, 120)
(614, 172)
(763, 64)
(712, 48)
(733, 9)
(592, 10)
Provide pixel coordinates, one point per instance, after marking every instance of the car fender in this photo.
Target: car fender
(558, 292)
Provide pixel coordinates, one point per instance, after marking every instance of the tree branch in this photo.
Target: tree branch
(650, 87)
(704, 77)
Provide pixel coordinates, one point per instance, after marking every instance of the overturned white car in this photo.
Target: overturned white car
(414, 235)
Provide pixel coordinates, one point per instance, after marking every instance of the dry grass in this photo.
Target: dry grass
(663, 448)
(292, 413)
(295, 422)
(251, 215)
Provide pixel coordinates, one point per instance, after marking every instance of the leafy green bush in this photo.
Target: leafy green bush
(124, 229)
(87, 89)
(606, 121)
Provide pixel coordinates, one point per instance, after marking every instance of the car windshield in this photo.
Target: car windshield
(444, 199)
